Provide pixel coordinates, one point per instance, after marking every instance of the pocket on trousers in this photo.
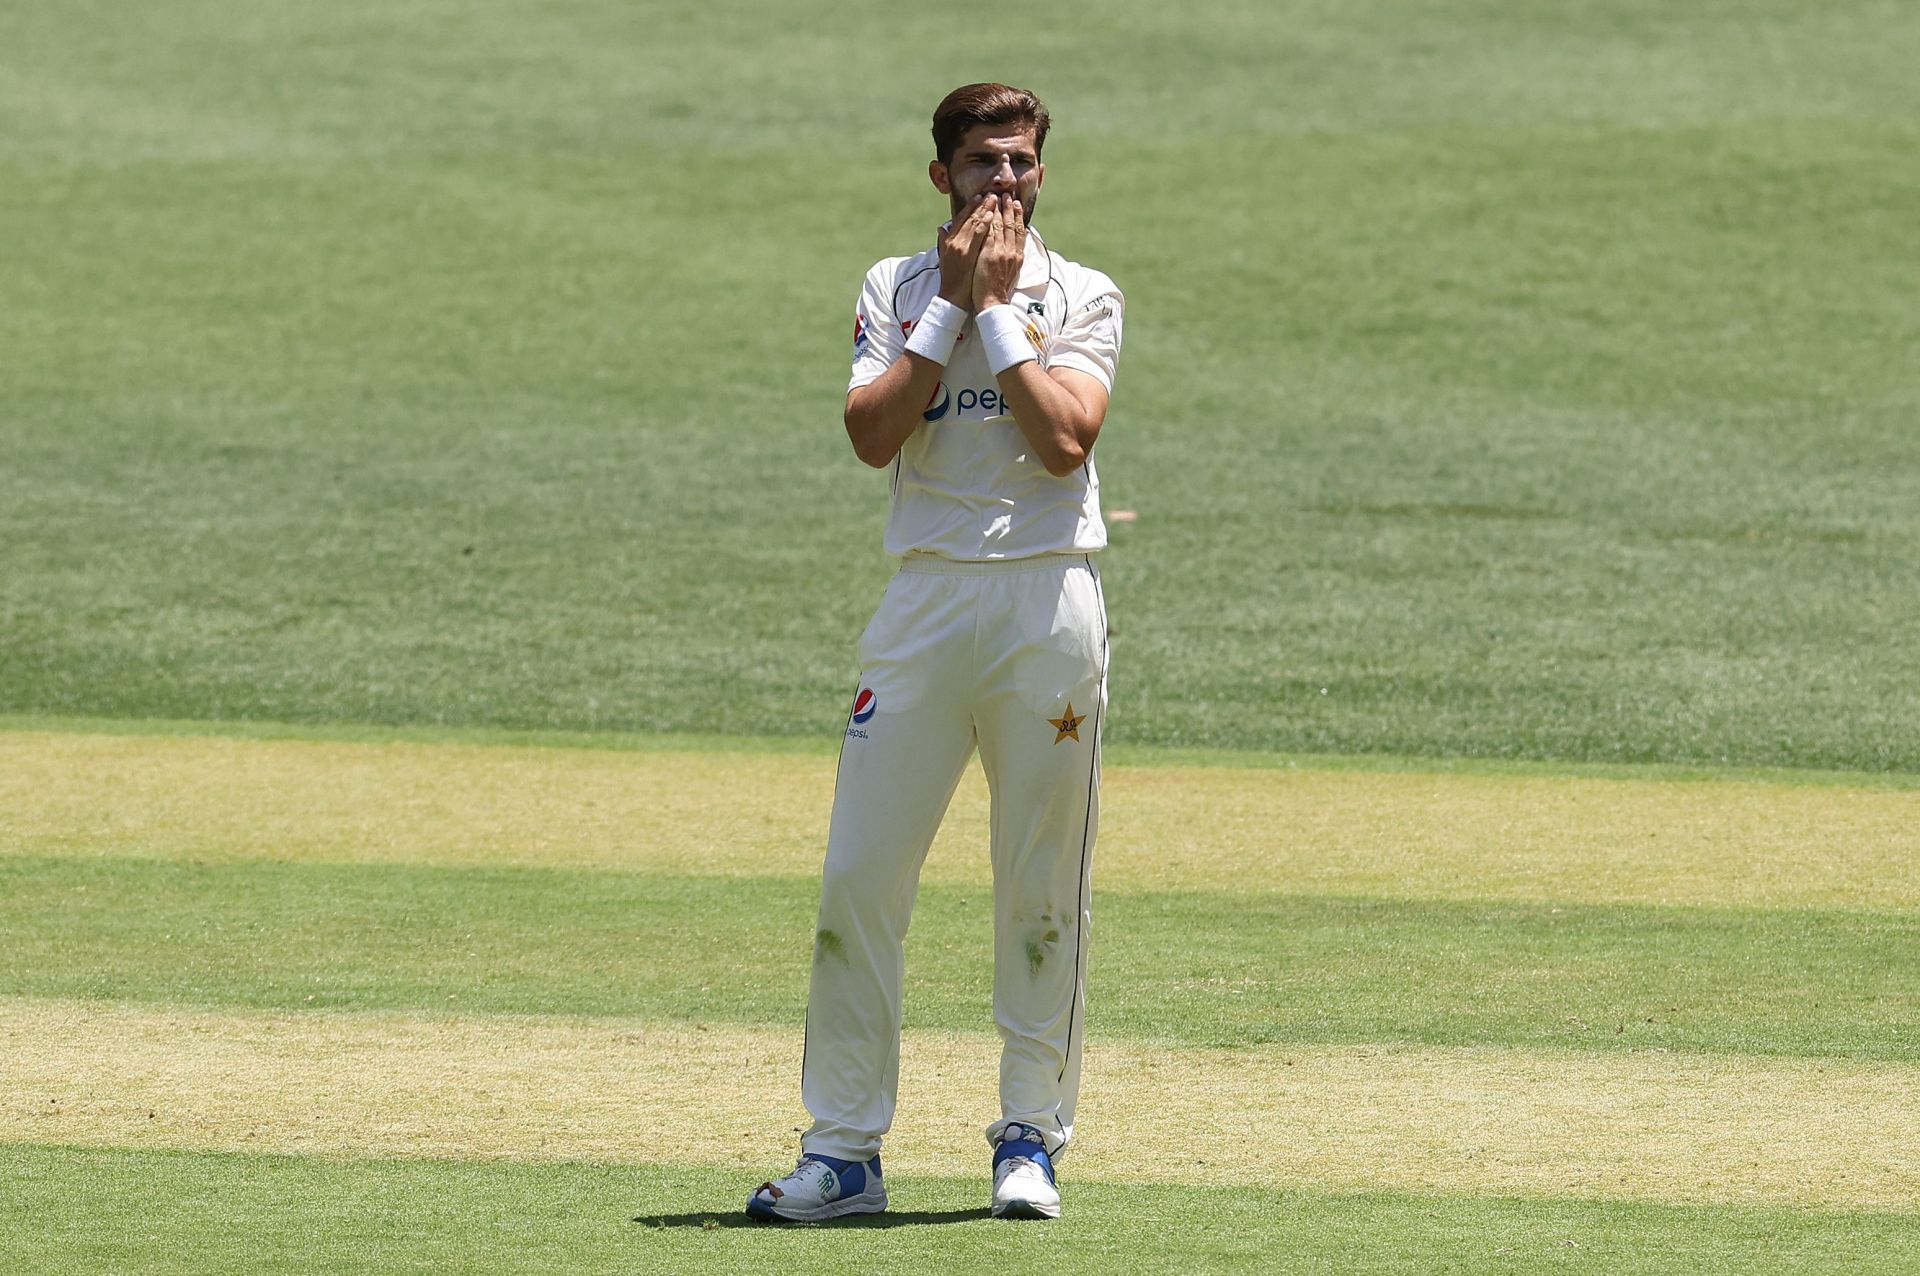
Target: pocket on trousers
(883, 627)
(1066, 660)
(899, 651)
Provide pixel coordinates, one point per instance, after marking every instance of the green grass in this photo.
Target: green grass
(1189, 967)
(283, 1214)
(828, 746)
(1502, 380)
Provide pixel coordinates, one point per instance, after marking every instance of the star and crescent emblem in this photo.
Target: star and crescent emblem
(1067, 724)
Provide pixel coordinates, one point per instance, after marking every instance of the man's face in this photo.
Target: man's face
(993, 159)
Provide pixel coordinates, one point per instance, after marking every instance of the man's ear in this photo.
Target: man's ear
(938, 175)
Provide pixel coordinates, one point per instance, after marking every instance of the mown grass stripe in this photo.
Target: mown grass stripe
(826, 744)
(195, 1212)
(1182, 967)
(1404, 834)
(1657, 1126)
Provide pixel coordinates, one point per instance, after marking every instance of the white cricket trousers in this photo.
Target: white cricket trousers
(1011, 656)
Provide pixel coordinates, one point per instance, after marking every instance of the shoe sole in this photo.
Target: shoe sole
(1025, 1209)
(865, 1203)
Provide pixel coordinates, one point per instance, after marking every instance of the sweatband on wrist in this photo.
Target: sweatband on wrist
(1004, 334)
(937, 330)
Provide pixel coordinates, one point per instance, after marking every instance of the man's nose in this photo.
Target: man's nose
(1003, 175)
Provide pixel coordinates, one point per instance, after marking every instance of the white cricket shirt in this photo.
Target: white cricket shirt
(966, 484)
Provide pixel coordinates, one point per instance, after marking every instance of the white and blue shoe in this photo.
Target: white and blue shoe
(1023, 1183)
(820, 1187)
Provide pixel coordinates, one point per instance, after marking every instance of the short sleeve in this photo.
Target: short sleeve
(1089, 341)
(877, 339)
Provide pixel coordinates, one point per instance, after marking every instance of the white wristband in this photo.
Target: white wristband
(1004, 333)
(937, 331)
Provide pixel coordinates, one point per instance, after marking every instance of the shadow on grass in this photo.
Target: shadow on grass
(888, 1218)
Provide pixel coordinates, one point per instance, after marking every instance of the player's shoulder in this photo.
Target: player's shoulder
(890, 272)
(891, 280)
(1084, 284)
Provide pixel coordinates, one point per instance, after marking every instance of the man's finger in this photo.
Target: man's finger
(965, 220)
(981, 224)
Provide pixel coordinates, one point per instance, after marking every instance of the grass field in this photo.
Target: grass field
(430, 564)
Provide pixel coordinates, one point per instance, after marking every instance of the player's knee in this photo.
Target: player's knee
(851, 884)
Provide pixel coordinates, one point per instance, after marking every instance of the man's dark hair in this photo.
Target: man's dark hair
(973, 104)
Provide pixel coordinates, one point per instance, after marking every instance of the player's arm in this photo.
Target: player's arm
(883, 413)
(1059, 410)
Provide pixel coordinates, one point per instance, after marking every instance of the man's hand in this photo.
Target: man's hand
(960, 247)
(998, 271)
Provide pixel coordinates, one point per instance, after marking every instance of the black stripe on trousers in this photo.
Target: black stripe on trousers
(1086, 826)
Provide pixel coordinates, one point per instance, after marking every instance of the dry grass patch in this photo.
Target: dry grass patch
(1324, 832)
(1644, 1126)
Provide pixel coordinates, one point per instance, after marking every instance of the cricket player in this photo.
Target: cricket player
(981, 370)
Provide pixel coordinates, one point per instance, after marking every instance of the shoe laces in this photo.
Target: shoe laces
(799, 1178)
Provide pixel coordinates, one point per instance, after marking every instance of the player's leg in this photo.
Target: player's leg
(1039, 717)
(908, 740)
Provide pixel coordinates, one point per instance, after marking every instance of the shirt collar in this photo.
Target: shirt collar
(1035, 268)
